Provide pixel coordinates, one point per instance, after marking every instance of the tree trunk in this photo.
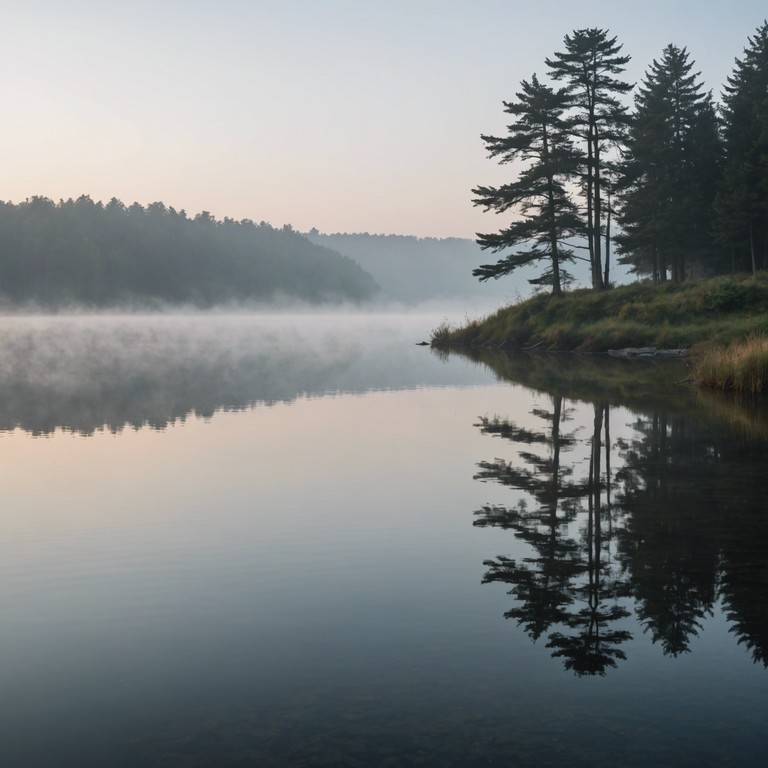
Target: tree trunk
(598, 214)
(590, 227)
(557, 401)
(556, 287)
(607, 244)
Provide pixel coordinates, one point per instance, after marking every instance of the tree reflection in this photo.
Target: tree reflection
(541, 582)
(568, 587)
(743, 574)
(665, 522)
(591, 644)
(668, 546)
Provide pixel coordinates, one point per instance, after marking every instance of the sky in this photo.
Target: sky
(345, 115)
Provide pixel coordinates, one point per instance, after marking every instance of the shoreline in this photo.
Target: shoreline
(720, 324)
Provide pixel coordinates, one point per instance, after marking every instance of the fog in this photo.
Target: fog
(83, 372)
(413, 270)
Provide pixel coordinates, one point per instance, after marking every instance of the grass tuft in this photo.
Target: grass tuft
(740, 366)
(441, 334)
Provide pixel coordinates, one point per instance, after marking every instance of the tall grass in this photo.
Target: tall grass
(440, 335)
(740, 366)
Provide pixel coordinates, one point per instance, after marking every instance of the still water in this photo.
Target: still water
(305, 541)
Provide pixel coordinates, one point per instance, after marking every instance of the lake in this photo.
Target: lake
(302, 540)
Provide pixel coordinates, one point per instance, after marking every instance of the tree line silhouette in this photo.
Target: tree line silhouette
(85, 252)
(684, 178)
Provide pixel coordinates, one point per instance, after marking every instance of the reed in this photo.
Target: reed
(739, 366)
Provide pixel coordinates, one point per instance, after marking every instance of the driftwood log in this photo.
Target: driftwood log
(647, 352)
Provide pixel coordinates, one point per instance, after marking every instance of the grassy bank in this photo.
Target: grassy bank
(700, 312)
(723, 321)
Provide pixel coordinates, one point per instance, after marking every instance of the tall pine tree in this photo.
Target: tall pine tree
(589, 66)
(547, 217)
(742, 211)
(670, 173)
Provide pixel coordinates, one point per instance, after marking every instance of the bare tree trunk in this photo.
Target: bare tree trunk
(598, 214)
(590, 224)
(607, 243)
(556, 287)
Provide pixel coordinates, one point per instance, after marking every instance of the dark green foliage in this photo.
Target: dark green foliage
(590, 65)
(689, 186)
(742, 212)
(80, 251)
(538, 138)
(671, 172)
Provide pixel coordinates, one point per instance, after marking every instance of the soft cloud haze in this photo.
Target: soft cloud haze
(345, 115)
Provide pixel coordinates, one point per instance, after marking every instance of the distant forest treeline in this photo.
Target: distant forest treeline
(412, 269)
(84, 252)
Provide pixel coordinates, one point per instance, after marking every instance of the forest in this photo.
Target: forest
(678, 184)
(86, 253)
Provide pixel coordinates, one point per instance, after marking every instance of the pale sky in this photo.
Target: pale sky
(345, 115)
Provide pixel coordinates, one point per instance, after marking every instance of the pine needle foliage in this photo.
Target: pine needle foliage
(546, 215)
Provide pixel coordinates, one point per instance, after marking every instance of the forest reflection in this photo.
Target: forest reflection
(85, 373)
(665, 521)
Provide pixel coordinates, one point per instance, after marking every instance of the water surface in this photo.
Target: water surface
(306, 541)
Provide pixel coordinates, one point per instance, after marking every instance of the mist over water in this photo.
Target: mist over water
(82, 372)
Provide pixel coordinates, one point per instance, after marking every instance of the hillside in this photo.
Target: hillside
(412, 269)
(84, 252)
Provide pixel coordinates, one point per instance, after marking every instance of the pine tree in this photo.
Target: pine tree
(670, 172)
(547, 216)
(742, 212)
(589, 66)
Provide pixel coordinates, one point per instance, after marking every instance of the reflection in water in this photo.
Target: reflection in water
(665, 520)
(696, 530)
(84, 373)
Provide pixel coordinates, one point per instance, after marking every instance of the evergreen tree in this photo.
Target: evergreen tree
(548, 217)
(589, 65)
(742, 212)
(671, 171)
